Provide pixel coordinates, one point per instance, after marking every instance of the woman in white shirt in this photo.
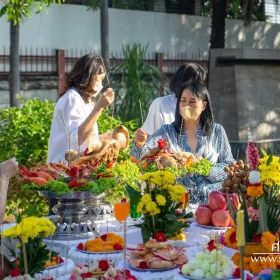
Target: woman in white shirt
(162, 109)
(75, 115)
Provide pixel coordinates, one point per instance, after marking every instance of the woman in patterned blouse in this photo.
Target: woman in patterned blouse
(194, 131)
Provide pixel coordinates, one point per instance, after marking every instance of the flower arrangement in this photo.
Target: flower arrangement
(262, 221)
(159, 203)
(33, 254)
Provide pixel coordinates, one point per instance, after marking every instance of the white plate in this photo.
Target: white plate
(152, 269)
(108, 252)
(192, 278)
(54, 266)
(213, 227)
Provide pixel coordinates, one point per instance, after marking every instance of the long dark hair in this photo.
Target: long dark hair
(187, 73)
(83, 73)
(206, 118)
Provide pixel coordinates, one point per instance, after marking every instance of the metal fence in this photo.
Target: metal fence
(40, 61)
(32, 61)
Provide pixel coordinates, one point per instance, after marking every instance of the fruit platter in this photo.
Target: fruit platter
(155, 256)
(215, 214)
(210, 262)
(99, 270)
(54, 262)
(106, 243)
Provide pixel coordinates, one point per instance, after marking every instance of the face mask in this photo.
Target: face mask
(97, 87)
(188, 113)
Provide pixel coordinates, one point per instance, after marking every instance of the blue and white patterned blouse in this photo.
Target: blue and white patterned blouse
(215, 147)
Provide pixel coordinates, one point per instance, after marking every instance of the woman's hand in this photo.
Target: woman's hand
(105, 99)
(140, 137)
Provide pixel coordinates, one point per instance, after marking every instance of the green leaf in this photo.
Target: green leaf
(3, 10)
(146, 234)
(269, 160)
(134, 195)
(170, 217)
(263, 209)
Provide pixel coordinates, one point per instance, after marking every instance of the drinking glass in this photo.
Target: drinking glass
(133, 212)
(185, 198)
(121, 211)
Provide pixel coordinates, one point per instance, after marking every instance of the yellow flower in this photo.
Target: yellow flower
(270, 174)
(175, 192)
(152, 208)
(140, 206)
(147, 176)
(160, 200)
(268, 239)
(30, 227)
(230, 238)
(255, 191)
(146, 198)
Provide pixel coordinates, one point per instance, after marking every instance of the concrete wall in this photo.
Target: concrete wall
(43, 87)
(245, 92)
(72, 26)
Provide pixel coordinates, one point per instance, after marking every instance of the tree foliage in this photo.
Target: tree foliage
(135, 82)
(16, 10)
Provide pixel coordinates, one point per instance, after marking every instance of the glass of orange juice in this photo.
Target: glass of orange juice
(185, 198)
(121, 210)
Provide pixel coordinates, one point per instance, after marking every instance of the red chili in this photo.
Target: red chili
(110, 164)
(24, 170)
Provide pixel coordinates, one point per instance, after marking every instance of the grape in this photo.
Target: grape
(205, 266)
(198, 273)
(186, 269)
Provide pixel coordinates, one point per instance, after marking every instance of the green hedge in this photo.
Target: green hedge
(24, 133)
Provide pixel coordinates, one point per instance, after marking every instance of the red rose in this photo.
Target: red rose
(237, 273)
(143, 265)
(160, 237)
(104, 237)
(211, 245)
(162, 144)
(15, 272)
(118, 247)
(103, 265)
(80, 246)
(86, 275)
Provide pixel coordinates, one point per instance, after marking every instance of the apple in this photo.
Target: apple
(216, 201)
(203, 215)
(221, 218)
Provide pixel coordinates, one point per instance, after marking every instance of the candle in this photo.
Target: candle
(240, 234)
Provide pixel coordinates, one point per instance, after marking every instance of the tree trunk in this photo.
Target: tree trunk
(217, 39)
(14, 64)
(104, 30)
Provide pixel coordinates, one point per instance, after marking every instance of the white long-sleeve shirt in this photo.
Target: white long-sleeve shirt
(161, 111)
(69, 113)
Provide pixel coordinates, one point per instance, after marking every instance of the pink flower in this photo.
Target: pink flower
(252, 156)
(253, 214)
